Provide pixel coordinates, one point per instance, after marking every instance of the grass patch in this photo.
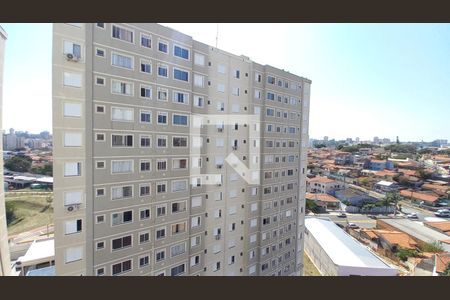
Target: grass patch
(308, 267)
(29, 211)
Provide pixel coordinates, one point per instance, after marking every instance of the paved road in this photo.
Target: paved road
(363, 221)
(422, 214)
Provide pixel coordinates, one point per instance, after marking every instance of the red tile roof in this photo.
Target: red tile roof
(398, 238)
(320, 179)
(321, 197)
(441, 188)
(442, 261)
(419, 196)
(442, 226)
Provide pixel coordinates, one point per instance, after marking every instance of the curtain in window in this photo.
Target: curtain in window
(122, 61)
(122, 166)
(178, 186)
(117, 193)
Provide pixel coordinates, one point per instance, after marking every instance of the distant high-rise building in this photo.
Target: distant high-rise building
(144, 119)
(376, 140)
(5, 263)
(11, 141)
(439, 143)
(45, 135)
(357, 139)
(325, 138)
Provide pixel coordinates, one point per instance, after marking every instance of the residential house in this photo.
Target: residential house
(355, 197)
(419, 197)
(323, 185)
(385, 186)
(344, 159)
(324, 200)
(419, 233)
(439, 189)
(378, 165)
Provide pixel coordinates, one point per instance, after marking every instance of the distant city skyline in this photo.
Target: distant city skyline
(368, 80)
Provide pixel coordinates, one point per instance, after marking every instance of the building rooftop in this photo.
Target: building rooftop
(342, 249)
(320, 179)
(419, 196)
(407, 172)
(385, 173)
(39, 250)
(441, 226)
(321, 197)
(438, 187)
(385, 183)
(377, 161)
(442, 260)
(416, 229)
(398, 238)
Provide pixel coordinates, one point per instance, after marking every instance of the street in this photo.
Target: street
(421, 213)
(362, 220)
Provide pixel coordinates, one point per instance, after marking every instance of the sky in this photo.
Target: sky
(368, 80)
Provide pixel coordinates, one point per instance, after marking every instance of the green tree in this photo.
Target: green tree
(434, 247)
(318, 146)
(310, 205)
(423, 174)
(46, 169)
(392, 198)
(18, 164)
(403, 253)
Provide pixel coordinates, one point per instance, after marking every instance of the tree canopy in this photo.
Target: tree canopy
(18, 164)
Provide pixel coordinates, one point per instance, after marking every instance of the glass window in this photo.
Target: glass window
(181, 52)
(180, 74)
(122, 34)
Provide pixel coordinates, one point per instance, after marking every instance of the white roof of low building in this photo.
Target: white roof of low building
(342, 249)
(39, 251)
(45, 179)
(25, 178)
(385, 183)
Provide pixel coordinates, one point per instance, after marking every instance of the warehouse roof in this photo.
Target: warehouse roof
(342, 249)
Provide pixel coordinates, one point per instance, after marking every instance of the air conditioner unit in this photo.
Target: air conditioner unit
(71, 57)
(73, 207)
(235, 147)
(217, 237)
(219, 184)
(219, 129)
(219, 166)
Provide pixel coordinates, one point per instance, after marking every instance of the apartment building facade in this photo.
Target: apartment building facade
(5, 264)
(145, 120)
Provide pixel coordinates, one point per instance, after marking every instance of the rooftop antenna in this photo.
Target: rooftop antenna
(217, 35)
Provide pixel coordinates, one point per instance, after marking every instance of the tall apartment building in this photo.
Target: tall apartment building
(5, 265)
(147, 122)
